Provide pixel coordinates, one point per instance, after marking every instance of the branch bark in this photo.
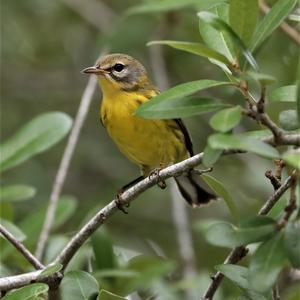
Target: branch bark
(129, 195)
(21, 248)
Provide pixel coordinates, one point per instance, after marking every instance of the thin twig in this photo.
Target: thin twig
(75, 243)
(285, 27)
(273, 179)
(234, 256)
(257, 112)
(21, 248)
(292, 204)
(275, 197)
(65, 163)
(279, 165)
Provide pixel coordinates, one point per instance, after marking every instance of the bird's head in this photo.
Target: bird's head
(120, 72)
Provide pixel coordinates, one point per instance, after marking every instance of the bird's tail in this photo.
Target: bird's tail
(194, 190)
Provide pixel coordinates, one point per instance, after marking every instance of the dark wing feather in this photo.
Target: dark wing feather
(187, 138)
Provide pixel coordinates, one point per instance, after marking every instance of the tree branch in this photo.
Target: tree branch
(129, 195)
(239, 252)
(13, 282)
(273, 179)
(292, 204)
(21, 248)
(276, 196)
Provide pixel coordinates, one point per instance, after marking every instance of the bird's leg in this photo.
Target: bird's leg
(119, 203)
(131, 183)
(155, 172)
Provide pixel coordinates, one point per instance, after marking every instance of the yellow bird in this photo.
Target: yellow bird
(150, 144)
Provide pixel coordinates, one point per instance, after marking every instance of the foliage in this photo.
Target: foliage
(232, 51)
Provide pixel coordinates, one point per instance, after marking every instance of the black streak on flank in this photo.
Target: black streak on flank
(139, 102)
(103, 118)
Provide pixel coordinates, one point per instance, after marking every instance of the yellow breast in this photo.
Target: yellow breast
(147, 143)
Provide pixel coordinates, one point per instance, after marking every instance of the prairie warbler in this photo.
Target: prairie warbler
(148, 143)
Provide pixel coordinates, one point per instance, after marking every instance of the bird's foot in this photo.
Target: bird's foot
(119, 203)
(155, 173)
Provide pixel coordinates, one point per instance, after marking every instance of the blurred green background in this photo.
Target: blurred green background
(45, 45)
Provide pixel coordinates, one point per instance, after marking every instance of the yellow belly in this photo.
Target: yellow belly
(147, 143)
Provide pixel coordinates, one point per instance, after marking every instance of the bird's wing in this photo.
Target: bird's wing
(182, 127)
(187, 138)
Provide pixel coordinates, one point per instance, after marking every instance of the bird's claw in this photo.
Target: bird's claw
(119, 203)
(160, 182)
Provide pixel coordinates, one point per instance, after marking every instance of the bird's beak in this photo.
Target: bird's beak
(94, 70)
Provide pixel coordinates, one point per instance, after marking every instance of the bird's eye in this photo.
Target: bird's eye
(118, 67)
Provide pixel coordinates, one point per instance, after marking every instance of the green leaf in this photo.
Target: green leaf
(123, 273)
(217, 41)
(36, 136)
(195, 48)
(271, 21)
(16, 192)
(224, 234)
(28, 292)
(221, 191)
(151, 269)
(221, 26)
(252, 295)
(54, 246)
(6, 211)
(298, 99)
(292, 157)
(263, 79)
(243, 18)
(177, 94)
(288, 119)
(103, 250)
(179, 108)
(106, 295)
(258, 134)
(237, 274)
(78, 285)
(241, 142)
(266, 264)
(160, 6)
(226, 119)
(50, 269)
(284, 94)
(14, 230)
(167, 5)
(210, 156)
(292, 243)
